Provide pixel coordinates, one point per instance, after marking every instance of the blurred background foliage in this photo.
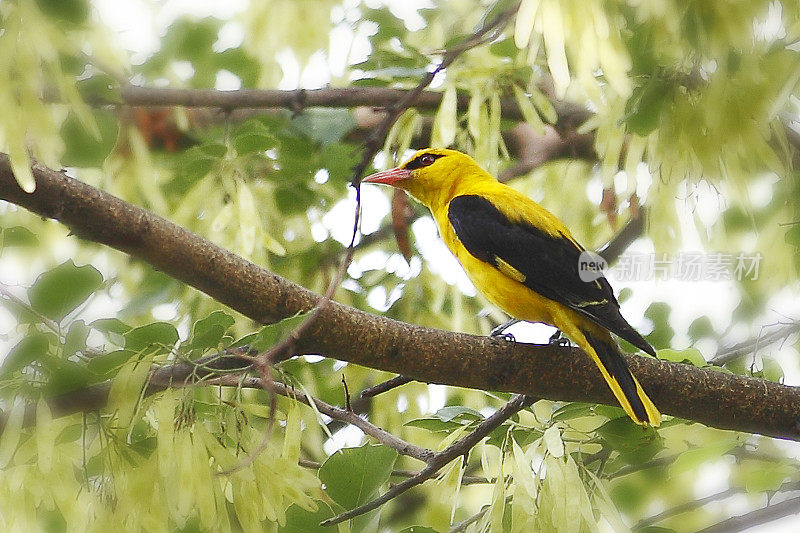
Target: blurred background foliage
(593, 108)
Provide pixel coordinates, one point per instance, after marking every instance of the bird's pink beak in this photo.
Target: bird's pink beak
(388, 177)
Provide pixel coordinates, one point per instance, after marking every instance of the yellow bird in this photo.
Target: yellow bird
(525, 261)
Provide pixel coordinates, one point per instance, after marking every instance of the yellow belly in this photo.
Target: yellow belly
(511, 296)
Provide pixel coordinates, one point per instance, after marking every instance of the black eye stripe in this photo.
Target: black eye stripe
(422, 161)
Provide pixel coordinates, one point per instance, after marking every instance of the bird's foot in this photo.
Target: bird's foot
(558, 339)
(506, 337)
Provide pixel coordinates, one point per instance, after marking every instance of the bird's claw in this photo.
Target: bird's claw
(558, 339)
(507, 337)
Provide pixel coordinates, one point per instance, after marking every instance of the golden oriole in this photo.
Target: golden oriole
(525, 261)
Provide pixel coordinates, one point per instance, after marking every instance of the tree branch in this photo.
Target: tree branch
(441, 459)
(704, 395)
(754, 518)
(751, 346)
(349, 417)
(700, 502)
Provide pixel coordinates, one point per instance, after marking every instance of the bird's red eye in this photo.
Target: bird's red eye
(426, 160)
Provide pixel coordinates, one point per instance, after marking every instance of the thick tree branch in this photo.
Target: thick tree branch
(561, 373)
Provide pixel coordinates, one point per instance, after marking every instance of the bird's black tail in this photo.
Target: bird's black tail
(623, 384)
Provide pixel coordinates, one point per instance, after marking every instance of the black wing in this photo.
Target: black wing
(549, 264)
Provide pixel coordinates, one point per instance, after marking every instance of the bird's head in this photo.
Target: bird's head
(432, 175)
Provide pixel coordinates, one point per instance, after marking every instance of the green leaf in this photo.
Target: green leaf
(634, 443)
(662, 333)
(701, 328)
(690, 356)
(240, 63)
(66, 376)
(106, 365)
(208, 332)
(418, 529)
(352, 476)
(215, 150)
(161, 334)
(573, 410)
(388, 25)
(32, 347)
(57, 292)
(269, 335)
(771, 370)
(324, 125)
(298, 520)
(19, 236)
(72, 11)
(793, 235)
(693, 458)
(434, 425)
(253, 136)
(75, 340)
(100, 87)
(521, 436)
(643, 110)
(197, 162)
(81, 148)
(110, 325)
(504, 48)
(458, 413)
(447, 419)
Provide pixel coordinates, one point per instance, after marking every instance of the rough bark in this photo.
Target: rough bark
(703, 395)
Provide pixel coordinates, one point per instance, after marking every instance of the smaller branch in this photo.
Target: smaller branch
(464, 524)
(754, 518)
(347, 405)
(440, 459)
(386, 386)
(751, 346)
(466, 480)
(686, 507)
(653, 463)
(557, 142)
(8, 295)
(394, 110)
(739, 453)
(629, 233)
(379, 434)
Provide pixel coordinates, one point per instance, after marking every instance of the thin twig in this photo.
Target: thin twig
(347, 405)
(739, 453)
(464, 524)
(686, 507)
(440, 459)
(385, 386)
(751, 346)
(754, 518)
(465, 480)
(379, 434)
(393, 111)
(634, 229)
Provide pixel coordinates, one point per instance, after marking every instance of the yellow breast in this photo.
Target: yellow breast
(504, 290)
